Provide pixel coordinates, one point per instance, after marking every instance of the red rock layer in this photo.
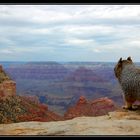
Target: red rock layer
(96, 107)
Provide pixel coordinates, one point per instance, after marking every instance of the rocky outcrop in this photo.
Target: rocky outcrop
(96, 107)
(7, 86)
(15, 109)
(115, 123)
(102, 106)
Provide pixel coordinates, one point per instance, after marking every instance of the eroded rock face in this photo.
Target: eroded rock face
(102, 106)
(7, 86)
(96, 107)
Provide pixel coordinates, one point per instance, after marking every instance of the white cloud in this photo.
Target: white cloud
(96, 50)
(78, 42)
(6, 51)
(88, 29)
(135, 43)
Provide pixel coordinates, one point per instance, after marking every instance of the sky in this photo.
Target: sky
(69, 32)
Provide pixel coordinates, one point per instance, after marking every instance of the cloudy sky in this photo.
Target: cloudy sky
(69, 32)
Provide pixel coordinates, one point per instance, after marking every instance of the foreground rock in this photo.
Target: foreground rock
(115, 123)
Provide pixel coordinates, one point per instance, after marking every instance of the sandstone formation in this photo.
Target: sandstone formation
(96, 107)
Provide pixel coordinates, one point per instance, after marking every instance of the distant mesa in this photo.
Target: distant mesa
(85, 107)
(7, 86)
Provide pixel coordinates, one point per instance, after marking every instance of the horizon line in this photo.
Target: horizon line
(10, 61)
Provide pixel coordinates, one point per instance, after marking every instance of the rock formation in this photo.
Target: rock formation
(7, 86)
(96, 107)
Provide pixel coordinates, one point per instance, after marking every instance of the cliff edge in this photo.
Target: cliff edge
(120, 122)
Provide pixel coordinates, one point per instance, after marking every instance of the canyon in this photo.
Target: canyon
(60, 84)
(18, 108)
